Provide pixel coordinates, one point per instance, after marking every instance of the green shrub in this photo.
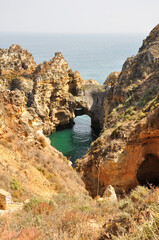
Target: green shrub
(42, 141)
(42, 170)
(15, 185)
(147, 96)
(31, 204)
(139, 194)
(141, 115)
(128, 101)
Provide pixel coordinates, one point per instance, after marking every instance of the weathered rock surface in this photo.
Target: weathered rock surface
(50, 95)
(110, 194)
(36, 99)
(15, 63)
(28, 164)
(16, 59)
(91, 100)
(126, 153)
(112, 79)
(51, 88)
(58, 92)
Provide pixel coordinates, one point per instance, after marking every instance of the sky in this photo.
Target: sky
(79, 16)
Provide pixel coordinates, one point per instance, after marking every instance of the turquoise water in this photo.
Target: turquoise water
(93, 55)
(74, 142)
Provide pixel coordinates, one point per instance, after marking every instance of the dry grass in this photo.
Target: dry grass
(138, 217)
(135, 217)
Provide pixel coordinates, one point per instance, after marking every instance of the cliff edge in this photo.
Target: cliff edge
(126, 153)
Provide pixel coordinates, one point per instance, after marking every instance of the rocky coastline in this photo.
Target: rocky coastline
(57, 201)
(126, 154)
(51, 88)
(47, 97)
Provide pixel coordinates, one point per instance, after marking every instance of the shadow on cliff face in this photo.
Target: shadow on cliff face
(148, 172)
(92, 103)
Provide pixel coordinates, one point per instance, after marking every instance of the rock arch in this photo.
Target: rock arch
(83, 109)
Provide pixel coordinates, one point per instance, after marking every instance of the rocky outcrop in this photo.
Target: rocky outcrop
(51, 88)
(15, 63)
(28, 164)
(112, 79)
(58, 92)
(110, 194)
(126, 153)
(16, 59)
(36, 99)
(53, 93)
(91, 99)
(5, 199)
(126, 108)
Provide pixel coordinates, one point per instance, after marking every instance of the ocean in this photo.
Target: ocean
(95, 56)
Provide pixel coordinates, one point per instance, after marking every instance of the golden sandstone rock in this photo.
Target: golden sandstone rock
(5, 199)
(33, 101)
(51, 88)
(36, 99)
(127, 152)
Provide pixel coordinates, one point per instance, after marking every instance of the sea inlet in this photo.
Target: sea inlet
(74, 142)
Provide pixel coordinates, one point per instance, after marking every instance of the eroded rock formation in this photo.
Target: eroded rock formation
(29, 165)
(16, 59)
(51, 88)
(36, 99)
(127, 152)
(44, 97)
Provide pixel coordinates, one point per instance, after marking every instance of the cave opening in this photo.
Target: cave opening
(148, 171)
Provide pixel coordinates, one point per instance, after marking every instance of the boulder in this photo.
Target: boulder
(110, 194)
(5, 199)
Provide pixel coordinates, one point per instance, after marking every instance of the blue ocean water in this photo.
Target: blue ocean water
(95, 56)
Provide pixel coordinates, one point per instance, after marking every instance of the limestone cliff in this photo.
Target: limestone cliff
(51, 88)
(58, 92)
(28, 164)
(15, 63)
(36, 99)
(127, 152)
(16, 59)
(53, 96)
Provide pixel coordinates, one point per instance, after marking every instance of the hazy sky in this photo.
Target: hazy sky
(79, 16)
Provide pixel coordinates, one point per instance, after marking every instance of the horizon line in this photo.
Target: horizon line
(75, 33)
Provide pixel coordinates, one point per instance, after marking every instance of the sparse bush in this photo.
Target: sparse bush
(42, 170)
(33, 202)
(141, 115)
(44, 208)
(128, 101)
(140, 194)
(15, 185)
(147, 96)
(49, 176)
(42, 141)
(67, 217)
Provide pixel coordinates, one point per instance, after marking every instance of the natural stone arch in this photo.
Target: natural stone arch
(79, 111)
(81, 108)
